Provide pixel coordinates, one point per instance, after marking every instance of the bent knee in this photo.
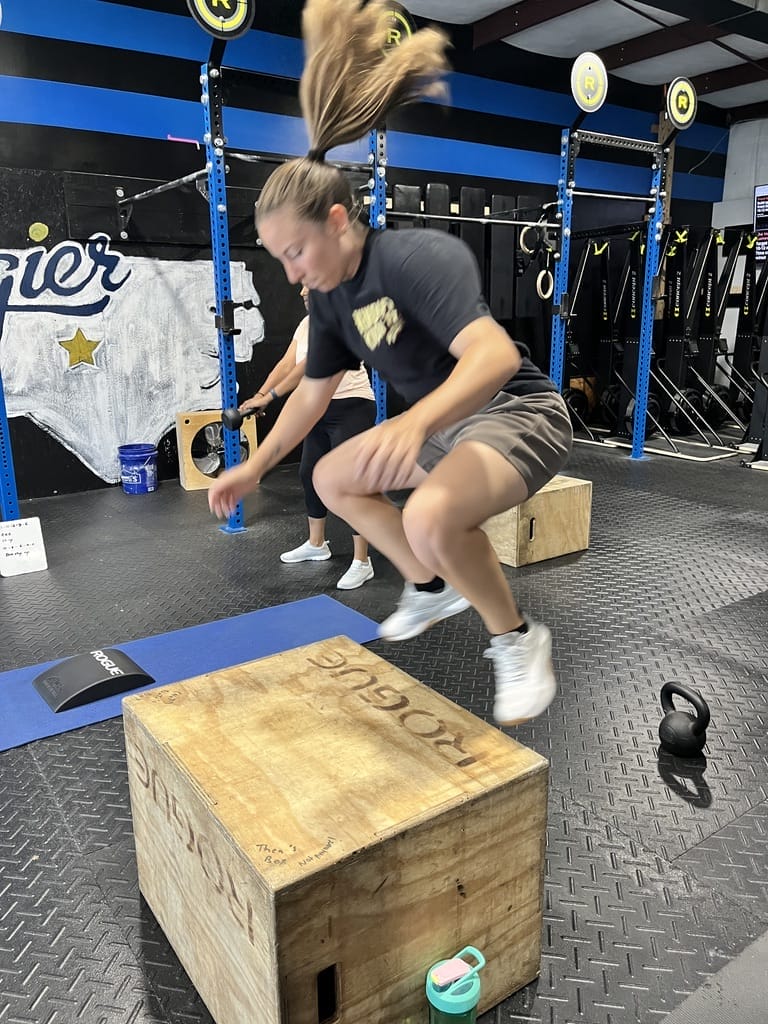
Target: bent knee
(428, 523)
(326, 478)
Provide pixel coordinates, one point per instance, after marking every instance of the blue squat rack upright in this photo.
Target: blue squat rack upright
(9, 499)
(570, 145)
(377, 218)
(215, 171)
(214, 139)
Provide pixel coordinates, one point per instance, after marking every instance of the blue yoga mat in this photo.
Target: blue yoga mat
(182, 654)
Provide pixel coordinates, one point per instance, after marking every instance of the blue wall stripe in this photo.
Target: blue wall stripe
(507, 100)
(30, 101)
(471, 159)
(168, 35)
(128, 28)
(104, 24)
(697, 186)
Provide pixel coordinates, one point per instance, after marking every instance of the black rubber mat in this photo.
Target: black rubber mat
(656, 869)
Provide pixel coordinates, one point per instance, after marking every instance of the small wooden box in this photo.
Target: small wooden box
(188, 425)
(554, 522)
(315, 829)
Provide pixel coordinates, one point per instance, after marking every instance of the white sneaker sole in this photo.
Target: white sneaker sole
(549, 694)
(305, 558)
(354, 586)
(459, 605)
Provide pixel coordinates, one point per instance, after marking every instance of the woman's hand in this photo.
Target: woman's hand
(229, 489)
(258, 401)
(386, 455)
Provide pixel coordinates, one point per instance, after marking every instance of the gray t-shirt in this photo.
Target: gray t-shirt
(414, 291)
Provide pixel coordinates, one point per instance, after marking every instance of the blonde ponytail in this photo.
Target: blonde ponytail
(349, 85)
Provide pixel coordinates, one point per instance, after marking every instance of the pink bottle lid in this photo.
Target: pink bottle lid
(449, 972)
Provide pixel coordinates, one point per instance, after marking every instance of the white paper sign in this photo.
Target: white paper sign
(21, 547)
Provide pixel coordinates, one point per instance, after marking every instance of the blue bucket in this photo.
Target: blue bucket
(138, 468)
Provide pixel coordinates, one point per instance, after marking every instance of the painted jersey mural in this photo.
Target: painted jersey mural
(102, 349)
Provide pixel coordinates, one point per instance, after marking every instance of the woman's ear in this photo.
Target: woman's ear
(338, 219)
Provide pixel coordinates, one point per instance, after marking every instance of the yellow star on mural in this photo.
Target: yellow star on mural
(80, 349)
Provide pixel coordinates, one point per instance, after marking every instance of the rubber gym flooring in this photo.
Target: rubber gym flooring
(656, 873)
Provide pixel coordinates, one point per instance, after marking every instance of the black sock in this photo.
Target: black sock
(520, 629)
(433, 587)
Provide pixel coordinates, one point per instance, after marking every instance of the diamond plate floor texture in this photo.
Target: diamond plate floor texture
(656, 871)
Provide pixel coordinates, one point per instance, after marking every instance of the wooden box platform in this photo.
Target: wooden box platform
(188, 425)
(315, 829)
(554, 522)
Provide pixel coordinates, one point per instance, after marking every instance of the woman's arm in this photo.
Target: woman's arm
(282, 387)
(279, 372)
(299, 414)
(486, 359)
(289, 382)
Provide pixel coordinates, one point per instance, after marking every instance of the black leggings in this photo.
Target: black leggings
(343, 418)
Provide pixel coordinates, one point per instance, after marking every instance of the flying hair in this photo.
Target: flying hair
(350, 83)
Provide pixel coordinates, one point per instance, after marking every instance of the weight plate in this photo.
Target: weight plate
(589, 82)
(681, 103)
(224, 19)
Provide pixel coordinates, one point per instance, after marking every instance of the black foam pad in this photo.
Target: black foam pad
(89, 677)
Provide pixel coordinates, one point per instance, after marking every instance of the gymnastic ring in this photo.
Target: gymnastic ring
(544, 291)
(523, 246)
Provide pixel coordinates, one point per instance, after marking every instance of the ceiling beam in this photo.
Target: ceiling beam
(654, 44)
(749, 112)
(730, 78)
(518, 17)
(734, 15)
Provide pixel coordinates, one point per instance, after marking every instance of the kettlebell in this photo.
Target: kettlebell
(233, 418)
(681, 733)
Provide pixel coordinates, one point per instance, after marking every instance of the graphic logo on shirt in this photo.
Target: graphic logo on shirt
(377, 322)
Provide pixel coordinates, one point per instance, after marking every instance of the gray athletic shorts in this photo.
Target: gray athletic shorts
(532, 432)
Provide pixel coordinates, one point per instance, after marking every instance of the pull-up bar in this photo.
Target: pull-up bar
(167, 186)
(615, 195)
(282, 158)
(566, 191)
(459, 219)
(125, 203)
(617, 142)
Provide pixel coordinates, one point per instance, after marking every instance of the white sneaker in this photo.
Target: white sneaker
(307, 552)
(417, 610)
(525, 679)
(356, 575)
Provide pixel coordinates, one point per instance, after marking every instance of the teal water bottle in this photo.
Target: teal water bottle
(453, 988)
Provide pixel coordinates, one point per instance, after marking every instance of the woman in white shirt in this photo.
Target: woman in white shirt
(352, 410)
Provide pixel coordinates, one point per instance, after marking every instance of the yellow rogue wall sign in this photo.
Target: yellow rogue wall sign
(224, 19)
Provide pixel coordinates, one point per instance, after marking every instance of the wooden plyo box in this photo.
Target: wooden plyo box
(554, 522)
(188, 425)
(315, 829)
